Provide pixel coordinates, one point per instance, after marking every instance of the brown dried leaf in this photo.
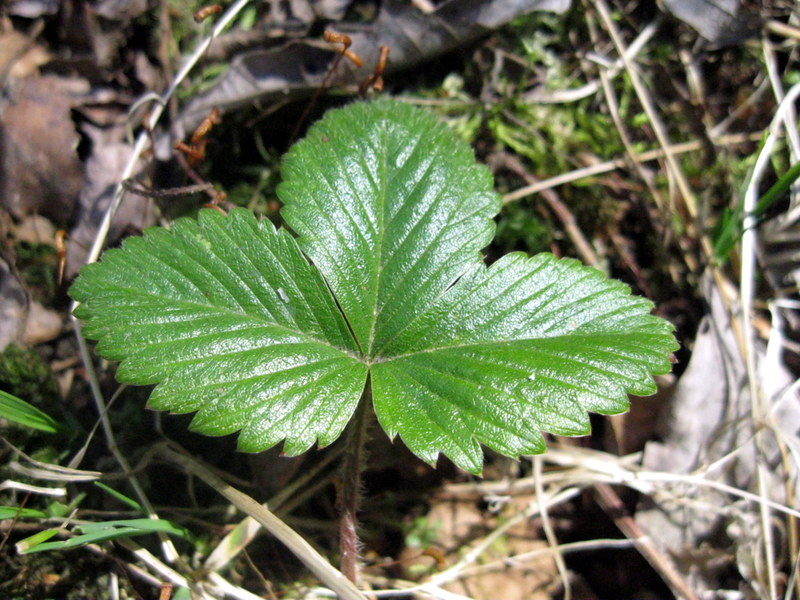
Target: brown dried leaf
(710, 430)
(13, 306)
(40, 171)
(103, 171)
(42, 325)
(721, 22)
(20, 56)
(412, 35)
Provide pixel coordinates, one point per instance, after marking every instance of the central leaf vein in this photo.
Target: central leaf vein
(380, 215)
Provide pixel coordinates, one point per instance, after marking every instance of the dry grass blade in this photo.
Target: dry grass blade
(649, 107)
(293, 541)
(141, 143)
(155, 116)
(10, 484)
(613, 107)
(760, 410)
(246, 530)
(48, 471)
(548, 528)
(614, 506)
(582, 245)
(621, 163)
(168, 547)
(588, 467)
(538, 99)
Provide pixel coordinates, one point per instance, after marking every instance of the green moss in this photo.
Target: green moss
(26, 375)
(519, 228)
(38, 267)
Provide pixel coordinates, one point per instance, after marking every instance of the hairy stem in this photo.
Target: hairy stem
(349, 493)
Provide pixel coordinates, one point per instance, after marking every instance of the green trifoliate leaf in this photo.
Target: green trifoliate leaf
(274, 336)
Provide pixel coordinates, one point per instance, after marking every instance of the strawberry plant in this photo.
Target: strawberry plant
(378, 301)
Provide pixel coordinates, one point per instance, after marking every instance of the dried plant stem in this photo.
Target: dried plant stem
(285, 534)
(349, 493)
(168, 548)
(613, 109)
(649, 108)
(582, 245)
(621, 163)
(549, 533)
(760, 409)
(297, 491)
(615, 508)
(143, 138)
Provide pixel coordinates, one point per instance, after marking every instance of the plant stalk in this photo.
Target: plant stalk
(349, 492)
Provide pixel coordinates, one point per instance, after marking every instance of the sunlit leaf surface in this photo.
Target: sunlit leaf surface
(275, 336)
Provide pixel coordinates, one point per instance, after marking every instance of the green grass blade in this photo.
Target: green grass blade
(95, 533)
(12, 512)
(20, 412)
(120, 496)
